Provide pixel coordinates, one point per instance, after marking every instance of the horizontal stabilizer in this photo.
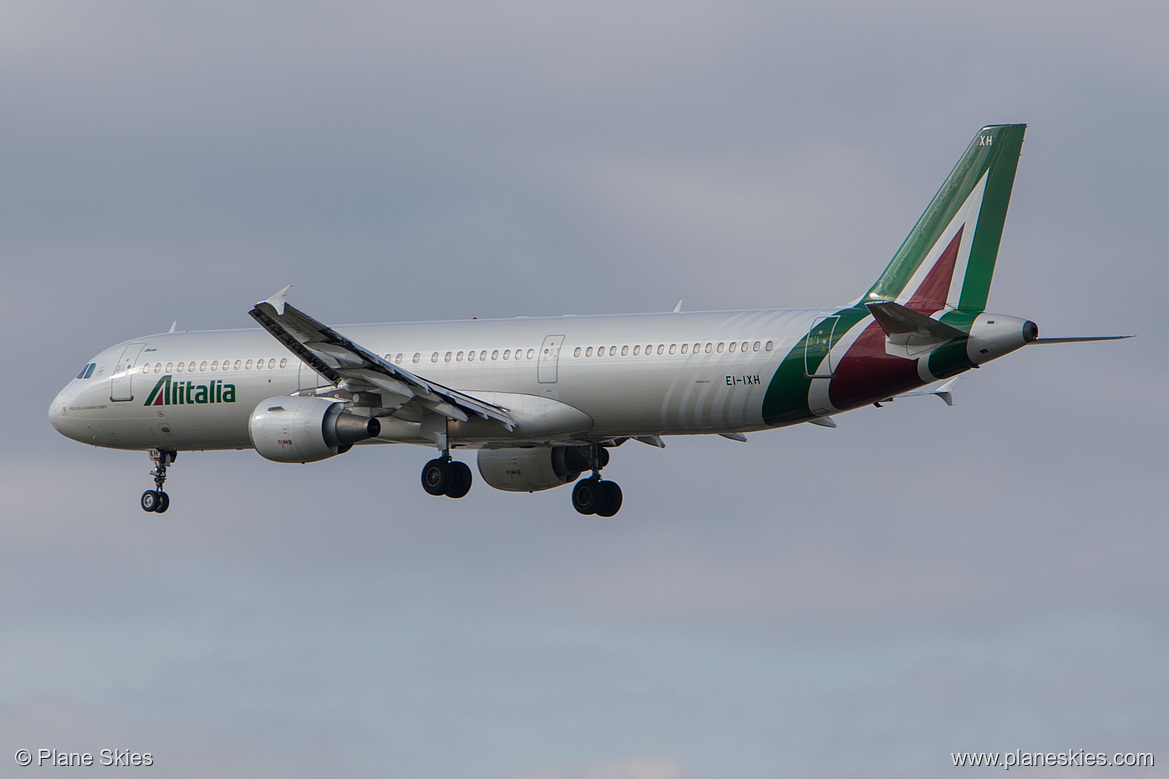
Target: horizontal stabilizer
(896, 319)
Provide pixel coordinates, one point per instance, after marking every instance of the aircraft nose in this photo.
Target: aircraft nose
(59, 416)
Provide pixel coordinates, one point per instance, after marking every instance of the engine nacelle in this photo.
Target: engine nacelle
(533, 469)
(291, 429)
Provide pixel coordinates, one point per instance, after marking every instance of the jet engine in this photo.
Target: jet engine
(535, 468)
(291, 429)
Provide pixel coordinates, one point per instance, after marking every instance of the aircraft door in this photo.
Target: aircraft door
(549, 359)
(120, 389)
(817, 348)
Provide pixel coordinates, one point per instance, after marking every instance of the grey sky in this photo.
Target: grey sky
(817, 603)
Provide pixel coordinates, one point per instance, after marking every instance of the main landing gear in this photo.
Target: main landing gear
(592, 495)
(444, 476)
(156, 500)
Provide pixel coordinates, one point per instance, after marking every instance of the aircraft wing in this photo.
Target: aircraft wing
(346, 363)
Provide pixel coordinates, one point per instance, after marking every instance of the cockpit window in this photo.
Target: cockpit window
(87, 371)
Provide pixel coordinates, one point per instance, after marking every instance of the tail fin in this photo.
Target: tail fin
(948, 259)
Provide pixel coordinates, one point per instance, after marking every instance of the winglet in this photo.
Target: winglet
(678, 308)
(277, 300)
(174, 326)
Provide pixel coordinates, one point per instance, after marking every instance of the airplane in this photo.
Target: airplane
(545, 400)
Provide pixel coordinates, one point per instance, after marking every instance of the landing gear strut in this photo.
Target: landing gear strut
(592, 495)
(444, 476)
(156, 500)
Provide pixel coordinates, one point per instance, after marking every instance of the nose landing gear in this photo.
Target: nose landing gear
(592, 495)
(156, 500)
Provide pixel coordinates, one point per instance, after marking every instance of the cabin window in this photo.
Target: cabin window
(495, 354)
(673, 348)
(531, 353)
(284, 362)
(434, 357)
(588, 352)
(755, 346)
(203, 366)
(482, 355)
(447, 357)
(661, 348)
(637, 350)
(685, 347)
(471, 356)
(260, 364)
(576, 352)
(733, 347)
(247, 365)
(417, 357)
(458, 357)
(398, 359)
(506, 354)
(624, 351)
(743, 347)
(157, 368)
(769, 345)
(214, 365)
(720, 346)
(612, 351)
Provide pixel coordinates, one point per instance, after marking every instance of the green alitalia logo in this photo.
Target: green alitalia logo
(168, 392)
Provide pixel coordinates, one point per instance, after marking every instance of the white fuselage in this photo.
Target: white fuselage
(570, 378)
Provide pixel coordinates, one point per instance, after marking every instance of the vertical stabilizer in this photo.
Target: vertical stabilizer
(948, 259)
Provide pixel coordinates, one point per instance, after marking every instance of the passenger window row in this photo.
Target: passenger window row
(697, 348)
(215, 366)
(469, 356)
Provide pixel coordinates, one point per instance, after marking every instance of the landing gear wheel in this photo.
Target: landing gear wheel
(156, 500)
(612, 499)
(461, 481)
(588, 495)
(438, 477)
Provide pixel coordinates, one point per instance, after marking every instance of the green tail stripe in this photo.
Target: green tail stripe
(994, 152)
